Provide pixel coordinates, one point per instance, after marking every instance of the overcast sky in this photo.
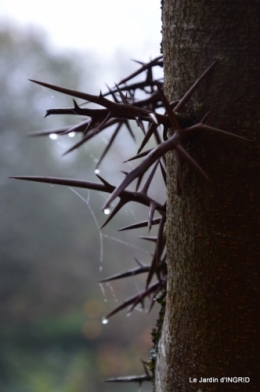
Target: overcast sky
(105, 26)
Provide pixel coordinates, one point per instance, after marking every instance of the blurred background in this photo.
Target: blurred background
(52, 252)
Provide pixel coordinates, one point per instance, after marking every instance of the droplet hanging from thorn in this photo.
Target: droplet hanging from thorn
(72, 134)
(104, 321)
(97, 171)
(53, 136)
(107, 211)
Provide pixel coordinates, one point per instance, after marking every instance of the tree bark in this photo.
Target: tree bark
(211, 324)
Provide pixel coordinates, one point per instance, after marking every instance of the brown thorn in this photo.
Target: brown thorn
(148, 238)
(158, 250)
(109, 144)
(150, 215)
(82, 127)
(154, 118)
(149, 133)
(100, 100)
(140, 155)
(160, 239)
(124, 98)
(108, 186)
(193, 88)
(139, 379)
(152, 157)
(140, 124)
(139, 262)
(139, 296)
(139, 180)
(163, 171)
(204, 119)
(130, 129)
(118, 207)
(155, 221)
(160, 288)
(172, 117)
(132, 272)
(58, 131)
(183, 152)
(140, 70)
(147, 183)
(204, 127)
(83, 140)
(145, 365)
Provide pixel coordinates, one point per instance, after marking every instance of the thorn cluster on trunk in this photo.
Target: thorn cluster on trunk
(119, 105)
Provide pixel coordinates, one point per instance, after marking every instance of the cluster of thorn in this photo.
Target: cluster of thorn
(117, 111)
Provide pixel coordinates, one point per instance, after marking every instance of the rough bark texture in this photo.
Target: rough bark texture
(211, 326)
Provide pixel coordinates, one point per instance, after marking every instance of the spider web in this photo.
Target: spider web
(110, 238)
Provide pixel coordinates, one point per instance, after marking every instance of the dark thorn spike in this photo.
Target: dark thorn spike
(82, 127)
(160, 288)
(139, 262)
(142, 154)
(160, 239)
(132, 299)
(127, 196)
(104, 181)
(118, 207)
(193, 88)
(100, 100)
(160, 243)
(152, 157)
(139, 379)
(163, 171)
(139, 225)
(83, 140)
(109, 144)
(147, 137)
(130, 130)
(58, 131)
(148, 238)
(150, 215)
(146, 185)
(173, 119)
(140, 70)
(132, 272)
(204, 127)
(183, 152)
(139, 180)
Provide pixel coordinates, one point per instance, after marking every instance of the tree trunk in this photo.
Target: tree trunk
(211, 325)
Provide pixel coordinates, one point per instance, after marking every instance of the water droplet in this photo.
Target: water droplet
(97, 171)
(107, 211)
(100, 269)
(72, 134)
(103, 291)
(128, 314)
(104, 321)
(53, 136)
